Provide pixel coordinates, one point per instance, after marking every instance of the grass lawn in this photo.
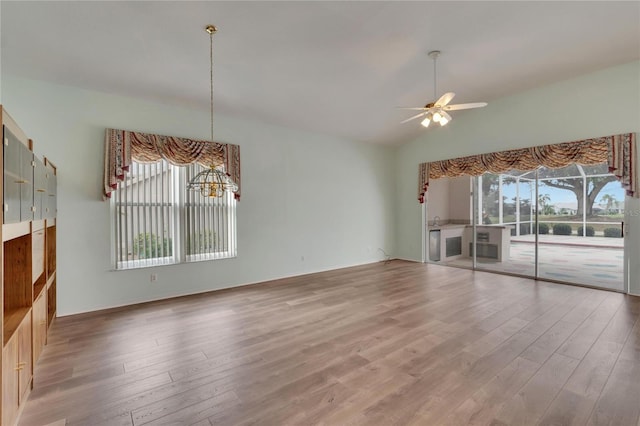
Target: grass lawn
(601, 221)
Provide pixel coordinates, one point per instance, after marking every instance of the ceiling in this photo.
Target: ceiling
(337, 68)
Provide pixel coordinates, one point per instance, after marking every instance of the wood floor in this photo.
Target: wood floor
(396, 344)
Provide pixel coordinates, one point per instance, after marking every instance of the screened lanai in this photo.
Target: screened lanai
(587, 198)
(578, 234)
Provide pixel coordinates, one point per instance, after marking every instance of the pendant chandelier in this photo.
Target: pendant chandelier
(212, 182)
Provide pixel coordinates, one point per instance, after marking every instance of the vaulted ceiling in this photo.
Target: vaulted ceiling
(338, 68)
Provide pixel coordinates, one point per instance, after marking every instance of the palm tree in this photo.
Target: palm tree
(545, 208)
(610, 200)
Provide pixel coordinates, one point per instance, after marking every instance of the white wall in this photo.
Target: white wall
(598, 104)
(450, 200)
(438, 201)
(303, 194)
(460, 199)
(632, 239)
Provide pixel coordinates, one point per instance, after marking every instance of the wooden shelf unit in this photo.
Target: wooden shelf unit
(28, 274)
(51, 302)
(17, 289)
(51, 250)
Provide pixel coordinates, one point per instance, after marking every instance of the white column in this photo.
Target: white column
(500, 203)
(518, 205)
(478, 191)
(584, 205)
(632, 243)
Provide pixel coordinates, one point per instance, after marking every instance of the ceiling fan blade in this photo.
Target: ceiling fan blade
(464, 106)
(445, 99)
(414, 108)
(412, 118)
(445, 115)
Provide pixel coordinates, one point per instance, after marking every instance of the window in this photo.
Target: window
(157, 221)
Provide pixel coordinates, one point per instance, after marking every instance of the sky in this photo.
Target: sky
(562, 195)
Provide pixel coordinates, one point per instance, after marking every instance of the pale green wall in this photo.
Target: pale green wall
(304, 195)
(598, 104)
(332, 201)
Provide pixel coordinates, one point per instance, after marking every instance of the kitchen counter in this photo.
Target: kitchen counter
(452, 241)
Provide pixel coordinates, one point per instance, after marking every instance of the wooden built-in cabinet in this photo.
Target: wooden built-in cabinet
(40, 317)
(18, 176)
(28, 253)
(17, 371)
(10, 401)
(51, 205)
(40, 199)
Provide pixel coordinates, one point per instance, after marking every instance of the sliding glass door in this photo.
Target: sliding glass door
(505, 223)
(581, 209)
(556, 224)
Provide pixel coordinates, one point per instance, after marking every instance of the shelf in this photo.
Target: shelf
(28, 257)
(38, 287)
(51, 279)
(18, 283)
(15, 230)
(50, 251)
(12, 320)
(51, 302)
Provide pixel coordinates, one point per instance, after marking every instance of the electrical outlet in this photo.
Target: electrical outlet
(154, 278)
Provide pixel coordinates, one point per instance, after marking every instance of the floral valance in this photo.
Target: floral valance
(123, 146)
(619, 151)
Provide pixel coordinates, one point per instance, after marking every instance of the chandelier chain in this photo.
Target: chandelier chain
(211, 78)
(212, 182)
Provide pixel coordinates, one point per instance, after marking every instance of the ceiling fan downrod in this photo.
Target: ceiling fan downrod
(434, 55)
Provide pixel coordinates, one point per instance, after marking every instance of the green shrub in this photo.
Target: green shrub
(543, 228)
(203, 242)
(149, 246)
(613, 232)
(524, 229)
(562, 229)
(590, 231)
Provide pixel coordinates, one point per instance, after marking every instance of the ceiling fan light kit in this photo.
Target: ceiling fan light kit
(437, 111)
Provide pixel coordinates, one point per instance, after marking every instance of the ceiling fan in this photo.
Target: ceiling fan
(437, 111)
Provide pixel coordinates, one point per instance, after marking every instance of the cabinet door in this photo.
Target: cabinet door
(39, 325)
(26, 189)
(37, 254)
(40, 198)
(24, 358)
(51, 208)
(10, 382)
(12, 179)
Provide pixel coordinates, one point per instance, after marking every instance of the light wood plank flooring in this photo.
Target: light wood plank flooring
(386, 344)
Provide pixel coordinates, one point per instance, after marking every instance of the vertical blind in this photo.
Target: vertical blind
(210, 223)
(158, 222)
